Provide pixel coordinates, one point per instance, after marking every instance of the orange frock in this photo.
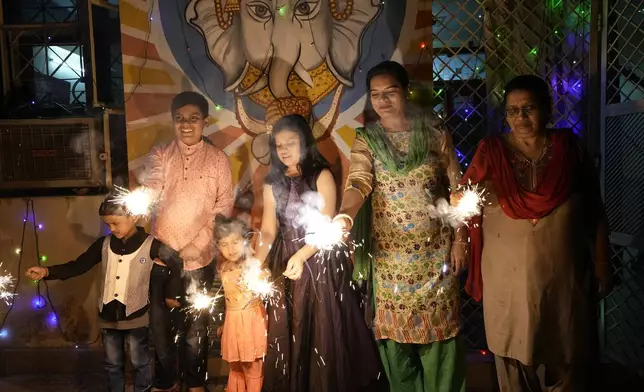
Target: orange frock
(245, 326)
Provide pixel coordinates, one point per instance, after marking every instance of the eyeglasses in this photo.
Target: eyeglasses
(514, 112)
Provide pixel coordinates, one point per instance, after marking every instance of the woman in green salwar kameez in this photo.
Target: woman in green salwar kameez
(396, 161)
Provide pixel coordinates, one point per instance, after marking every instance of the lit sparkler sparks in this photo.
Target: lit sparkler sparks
(467, 207)
(6, 287)
(256, 279)
(138, 202)
(321, 231)
(201, 300)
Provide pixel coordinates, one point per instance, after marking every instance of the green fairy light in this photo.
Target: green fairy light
(282, 10)
(555, 4)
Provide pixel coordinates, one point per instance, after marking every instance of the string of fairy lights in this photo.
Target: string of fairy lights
(38, 302)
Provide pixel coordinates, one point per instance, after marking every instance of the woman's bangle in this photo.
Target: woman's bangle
(346, 217)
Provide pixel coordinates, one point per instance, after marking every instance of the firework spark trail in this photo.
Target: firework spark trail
(321, 231)
(6, 287)
(138, 202)
(468, 206)
(256, 279)
(199, 300)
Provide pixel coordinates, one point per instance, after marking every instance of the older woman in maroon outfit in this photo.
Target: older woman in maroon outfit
(531, 256)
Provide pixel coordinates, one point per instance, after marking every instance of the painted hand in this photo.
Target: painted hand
(458, 257)
(37, 273)
(294, 268)
(189, 253)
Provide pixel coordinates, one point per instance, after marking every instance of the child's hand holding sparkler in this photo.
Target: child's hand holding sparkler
(37, 273)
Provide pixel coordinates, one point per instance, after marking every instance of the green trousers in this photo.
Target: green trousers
(434, 367)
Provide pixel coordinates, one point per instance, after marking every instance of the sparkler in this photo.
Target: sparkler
(6, 286)
(200, 300)
(467, 207)
(256, 279)
(321, 231)
(138, 202)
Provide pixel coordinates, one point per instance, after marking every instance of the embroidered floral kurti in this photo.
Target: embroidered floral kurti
(195, 184)
(416, 302)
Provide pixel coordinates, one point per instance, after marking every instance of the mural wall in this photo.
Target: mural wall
(255, 59)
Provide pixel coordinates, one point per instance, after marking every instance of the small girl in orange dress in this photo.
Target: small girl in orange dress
(243, 336)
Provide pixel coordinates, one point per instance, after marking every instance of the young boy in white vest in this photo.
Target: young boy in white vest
(126, 257)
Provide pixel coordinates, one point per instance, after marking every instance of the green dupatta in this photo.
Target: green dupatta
(384, 151)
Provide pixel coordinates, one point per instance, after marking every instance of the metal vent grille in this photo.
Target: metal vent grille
(624, 173)
(624, 309)
(51, 154)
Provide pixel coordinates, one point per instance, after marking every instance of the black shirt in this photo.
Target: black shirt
(115, 311)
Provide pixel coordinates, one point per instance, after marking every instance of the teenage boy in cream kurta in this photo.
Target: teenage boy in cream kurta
(194, 182)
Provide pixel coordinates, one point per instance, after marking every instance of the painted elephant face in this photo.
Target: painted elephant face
(292, 36)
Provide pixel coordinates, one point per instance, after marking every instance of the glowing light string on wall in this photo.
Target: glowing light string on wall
(38, 302)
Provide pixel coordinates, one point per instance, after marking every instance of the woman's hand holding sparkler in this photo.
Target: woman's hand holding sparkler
(37, 273)
(465, 204)
(458, 256)
(294, 268)
(344, 221)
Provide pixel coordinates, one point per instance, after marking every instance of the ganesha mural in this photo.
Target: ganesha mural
(280, 56)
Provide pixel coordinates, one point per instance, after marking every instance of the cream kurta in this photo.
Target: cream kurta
(536, 281)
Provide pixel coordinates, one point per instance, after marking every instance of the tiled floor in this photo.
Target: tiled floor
(69, 383)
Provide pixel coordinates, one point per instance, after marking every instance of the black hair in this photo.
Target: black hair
(392, 69)
(386, 68)
(110, 207)
(226, 226)
(190, 98)
(536, 86)
(311, 161)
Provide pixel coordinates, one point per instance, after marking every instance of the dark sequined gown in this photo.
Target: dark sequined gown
(317, 338)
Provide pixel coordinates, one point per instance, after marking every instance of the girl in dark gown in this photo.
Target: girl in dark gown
(317, 338)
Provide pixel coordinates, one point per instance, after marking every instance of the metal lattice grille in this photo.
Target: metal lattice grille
(624, 309)
(478, 46)
(624, 173)
(625, 49)
(45, 153)
(42, 11)
(45, 47)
